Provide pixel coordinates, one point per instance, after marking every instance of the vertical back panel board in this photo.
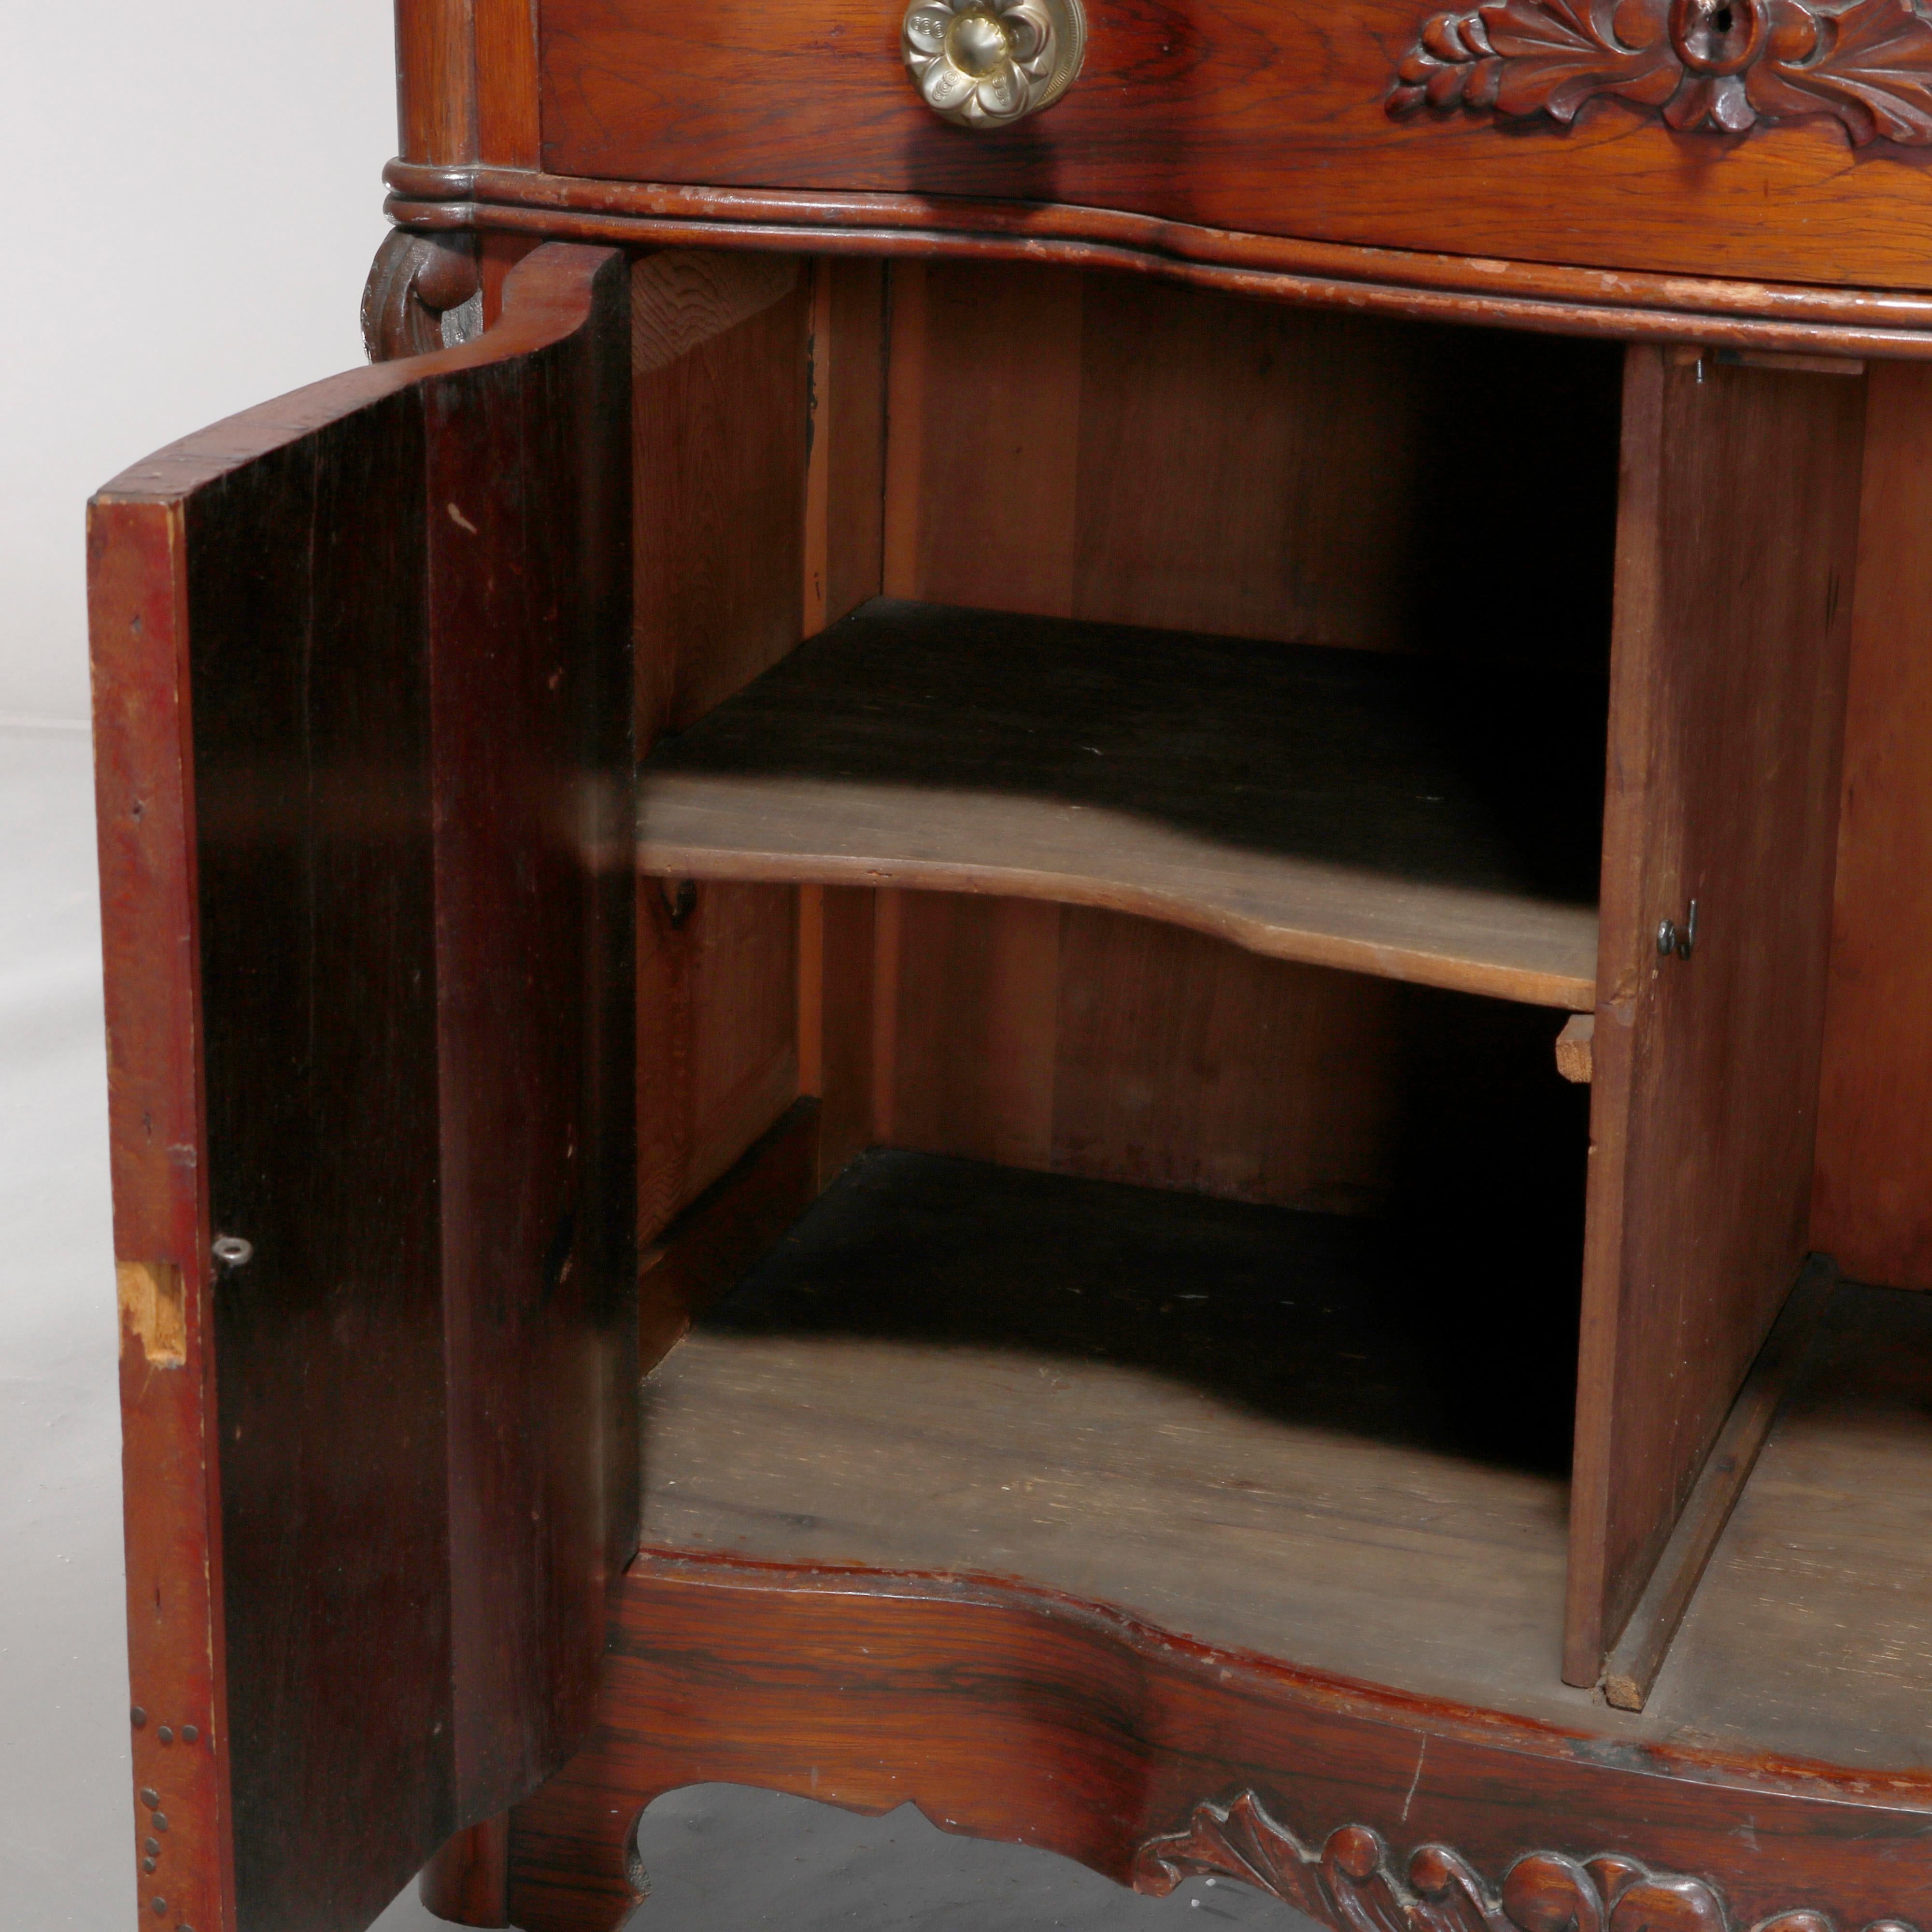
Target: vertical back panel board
(1872, 1207)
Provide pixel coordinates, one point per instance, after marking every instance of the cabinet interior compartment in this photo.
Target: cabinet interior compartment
(1060, 697)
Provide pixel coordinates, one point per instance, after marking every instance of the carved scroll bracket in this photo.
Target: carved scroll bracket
(1351, 1883)
(1713, 66)
(424, 293)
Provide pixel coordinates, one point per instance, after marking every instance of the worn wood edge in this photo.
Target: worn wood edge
(1620, 980)
(1527, 986)
(163, 1223)
(1273, 1678)
(1631, 1673)
(546, 300)
(1767, 316)
(712, 1243)
(1576, 1058)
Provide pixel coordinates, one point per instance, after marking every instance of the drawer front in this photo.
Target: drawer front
(1321, 122)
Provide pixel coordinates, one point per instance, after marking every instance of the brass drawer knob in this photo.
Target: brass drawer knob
(987, 63)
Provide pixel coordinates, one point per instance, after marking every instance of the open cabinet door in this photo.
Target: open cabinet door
(362, 718)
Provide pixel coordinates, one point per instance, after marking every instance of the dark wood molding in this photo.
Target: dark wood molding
(1700, 66)
(1354, 1882)
(1629, 304)
(1008, 1712)
(424, 293)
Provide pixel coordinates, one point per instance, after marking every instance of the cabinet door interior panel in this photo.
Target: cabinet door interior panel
(1237, 115)
(367, 656)
(1737, 550)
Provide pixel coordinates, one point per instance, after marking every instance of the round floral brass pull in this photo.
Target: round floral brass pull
(985, 63)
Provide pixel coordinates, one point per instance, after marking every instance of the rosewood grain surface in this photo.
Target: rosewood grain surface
(1337, 808)
(1872, 1207)
(1566, 299)
(289, 716)
(1019, 1715)
(1230, 114)
(1736, 554)
(528, 611)
(468, 1881)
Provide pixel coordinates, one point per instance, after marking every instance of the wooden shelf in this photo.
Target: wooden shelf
(1392, 815)
(1323, 1438)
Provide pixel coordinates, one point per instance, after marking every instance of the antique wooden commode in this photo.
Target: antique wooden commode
(1148, 795)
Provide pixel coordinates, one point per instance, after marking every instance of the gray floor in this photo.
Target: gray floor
(720, 1858)
(724, 1859)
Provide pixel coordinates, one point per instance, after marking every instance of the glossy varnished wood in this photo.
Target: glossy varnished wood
(299, 942)
(528, 611)
(1228, 114)
(1737, 547)
(1422, 285)
(1012, 1714)
(1312, 805)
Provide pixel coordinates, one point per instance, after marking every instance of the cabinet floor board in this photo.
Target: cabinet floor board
(1281, 1433)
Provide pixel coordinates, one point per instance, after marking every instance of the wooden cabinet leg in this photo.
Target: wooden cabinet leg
(468, 1882)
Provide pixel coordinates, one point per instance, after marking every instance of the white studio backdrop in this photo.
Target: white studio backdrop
(193, 196)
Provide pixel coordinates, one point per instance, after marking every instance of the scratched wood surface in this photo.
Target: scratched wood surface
(1234, 115)
(362, 656)
(1737, 548)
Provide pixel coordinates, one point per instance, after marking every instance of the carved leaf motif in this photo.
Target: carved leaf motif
(1870, 65)
(1719, 66)
(1351, 1883)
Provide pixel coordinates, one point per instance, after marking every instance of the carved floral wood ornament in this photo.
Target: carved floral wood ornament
(1720, 66)
(1351, 1883)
